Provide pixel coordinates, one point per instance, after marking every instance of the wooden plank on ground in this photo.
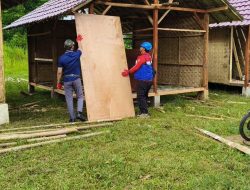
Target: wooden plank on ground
(108, 94)
(237, 146)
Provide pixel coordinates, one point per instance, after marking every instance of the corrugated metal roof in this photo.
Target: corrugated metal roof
(48, 10)
(243, 7)
(55, 8)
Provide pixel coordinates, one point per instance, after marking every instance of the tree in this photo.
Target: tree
(17, 37)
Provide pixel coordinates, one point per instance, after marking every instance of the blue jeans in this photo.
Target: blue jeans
(69, 88)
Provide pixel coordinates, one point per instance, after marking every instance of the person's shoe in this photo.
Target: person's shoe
(143, 115)
(72, 120)
(80, 116)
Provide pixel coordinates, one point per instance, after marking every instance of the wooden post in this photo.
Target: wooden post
(204, 94)
(54, 56)
(30, 58)
(155, 43)
(206, 48)
(247, 59)
(231, 55)
(91, 8)
(2, 80)
(4, 112)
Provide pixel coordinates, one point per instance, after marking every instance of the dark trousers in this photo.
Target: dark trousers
(143, 88)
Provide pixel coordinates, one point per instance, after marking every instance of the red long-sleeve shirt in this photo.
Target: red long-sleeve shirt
(141, 59)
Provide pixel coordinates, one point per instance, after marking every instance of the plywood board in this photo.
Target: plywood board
(108, 94)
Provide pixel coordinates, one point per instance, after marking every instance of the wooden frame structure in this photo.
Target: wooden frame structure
(183, 68)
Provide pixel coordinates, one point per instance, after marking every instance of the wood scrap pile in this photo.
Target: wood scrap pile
(36, 136)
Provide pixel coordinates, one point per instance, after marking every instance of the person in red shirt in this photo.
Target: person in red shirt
(144, 75)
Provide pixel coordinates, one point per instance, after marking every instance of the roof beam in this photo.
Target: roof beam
(106, 10)
(151, 7)
(172, 29)
(81, 5)
(224, 8)
(163, 16)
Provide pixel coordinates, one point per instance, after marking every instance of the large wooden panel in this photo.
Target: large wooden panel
(108, 94)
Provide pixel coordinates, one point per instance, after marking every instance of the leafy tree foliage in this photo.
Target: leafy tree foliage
(17, 37)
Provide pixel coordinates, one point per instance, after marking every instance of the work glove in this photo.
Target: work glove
(59, 86)
(79, 38)
(125, 73)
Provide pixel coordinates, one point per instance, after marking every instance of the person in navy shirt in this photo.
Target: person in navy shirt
(144, 75)
(69, 68)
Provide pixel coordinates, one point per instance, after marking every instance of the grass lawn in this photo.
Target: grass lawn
(162, 152)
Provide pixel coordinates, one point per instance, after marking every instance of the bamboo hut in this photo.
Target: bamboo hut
(229, 49)
(179, 31)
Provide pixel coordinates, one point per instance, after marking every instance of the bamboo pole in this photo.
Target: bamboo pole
(59, 125)
(49, 133)
(46, 138)
(40, 126)
(239, 43)
(163, 16)
(4, 145)
(237, 59)
(182, 30)
(23, 147)
(155, 43)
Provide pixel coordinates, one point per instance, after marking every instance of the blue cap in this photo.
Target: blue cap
(147, 46)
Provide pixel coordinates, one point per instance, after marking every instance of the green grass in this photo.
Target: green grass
(15, 61)
(163, 152)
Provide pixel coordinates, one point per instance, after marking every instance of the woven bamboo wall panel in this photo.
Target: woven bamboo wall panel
(191, 50)
(169, 50)
(168, 74)
(189, 76)
(219, 56)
